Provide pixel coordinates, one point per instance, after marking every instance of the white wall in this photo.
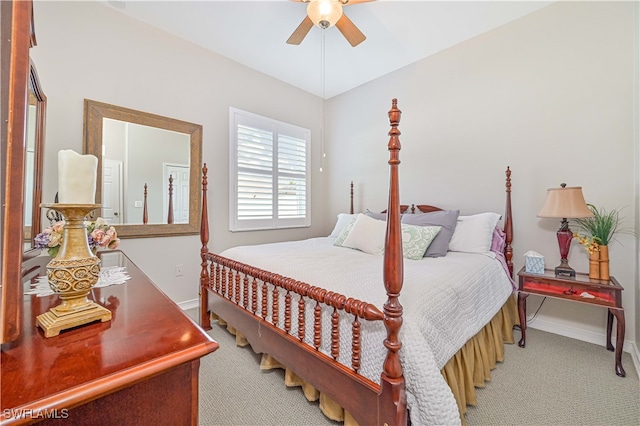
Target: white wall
(87, 50)
(550, 95)
(636, 114)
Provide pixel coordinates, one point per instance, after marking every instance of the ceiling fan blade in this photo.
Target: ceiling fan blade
(301, 32)
(356, 2)
(349, 30)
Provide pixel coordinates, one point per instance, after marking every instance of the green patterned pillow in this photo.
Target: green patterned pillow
(345, 232)
(416, 240)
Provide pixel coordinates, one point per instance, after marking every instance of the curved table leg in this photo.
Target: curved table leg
(522, 311)
(609, 327)
(619, 314)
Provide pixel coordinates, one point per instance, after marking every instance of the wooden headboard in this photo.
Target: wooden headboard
(507, 216)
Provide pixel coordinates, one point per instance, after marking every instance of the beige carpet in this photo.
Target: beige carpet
(554, 381)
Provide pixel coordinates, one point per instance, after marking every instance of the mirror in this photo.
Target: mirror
(35, 126)
(148, 170)
(17, 36)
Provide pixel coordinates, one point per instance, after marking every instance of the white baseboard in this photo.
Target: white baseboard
(586, 336)
(189, 304)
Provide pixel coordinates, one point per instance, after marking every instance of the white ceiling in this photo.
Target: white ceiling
(398, 33)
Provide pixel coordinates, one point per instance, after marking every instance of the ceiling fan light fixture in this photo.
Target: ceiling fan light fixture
(324, 13)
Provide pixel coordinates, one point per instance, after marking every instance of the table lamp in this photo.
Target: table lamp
(565, 203)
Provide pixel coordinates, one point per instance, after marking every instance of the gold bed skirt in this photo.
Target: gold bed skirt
(469, 368)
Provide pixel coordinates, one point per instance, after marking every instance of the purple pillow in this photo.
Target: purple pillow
(447, 219)
(498, 241)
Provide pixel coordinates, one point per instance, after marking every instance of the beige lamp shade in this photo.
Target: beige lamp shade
(565, 202)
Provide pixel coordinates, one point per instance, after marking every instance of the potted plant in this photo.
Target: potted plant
(601, 229)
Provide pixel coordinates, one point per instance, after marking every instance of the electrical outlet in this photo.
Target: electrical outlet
(179, 272)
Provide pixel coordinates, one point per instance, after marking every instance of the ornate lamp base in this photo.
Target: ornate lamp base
(72, 274)
(54, 321)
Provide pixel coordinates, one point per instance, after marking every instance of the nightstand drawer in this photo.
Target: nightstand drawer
(576, 292)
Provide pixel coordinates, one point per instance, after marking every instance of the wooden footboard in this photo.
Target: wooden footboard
(251, 300)
(262, 306)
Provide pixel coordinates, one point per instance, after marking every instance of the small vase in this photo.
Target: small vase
(594, 265)
(604, 263)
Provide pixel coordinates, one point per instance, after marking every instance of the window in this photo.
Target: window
(269, 173)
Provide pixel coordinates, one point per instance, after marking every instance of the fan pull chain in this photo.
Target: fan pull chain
(324, 104)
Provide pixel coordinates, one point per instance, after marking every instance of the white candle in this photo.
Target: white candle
(76, 177)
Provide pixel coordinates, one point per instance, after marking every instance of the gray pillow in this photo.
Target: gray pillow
(447, 219)
(377, 216)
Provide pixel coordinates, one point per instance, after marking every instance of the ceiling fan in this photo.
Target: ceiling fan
(325, 14)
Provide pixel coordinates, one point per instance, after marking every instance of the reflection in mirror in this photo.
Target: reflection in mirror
(135, 156)
(36, 109)
(148, 168)
(29, 164)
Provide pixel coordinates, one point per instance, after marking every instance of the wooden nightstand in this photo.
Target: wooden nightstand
(605, 293)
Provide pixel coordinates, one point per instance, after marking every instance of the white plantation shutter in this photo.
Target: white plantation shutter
(254, 173)
(269, 173)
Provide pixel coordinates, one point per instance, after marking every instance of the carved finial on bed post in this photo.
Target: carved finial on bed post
(508, 224)
(204, 239)
(393, 278)
(351, 210)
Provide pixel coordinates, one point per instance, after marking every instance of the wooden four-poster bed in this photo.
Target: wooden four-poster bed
(304, 325)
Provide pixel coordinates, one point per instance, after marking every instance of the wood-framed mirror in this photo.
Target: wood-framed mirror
(35, 130)
(17, 35)
(148, 170)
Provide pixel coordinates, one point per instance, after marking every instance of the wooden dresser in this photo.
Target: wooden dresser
(139, 368)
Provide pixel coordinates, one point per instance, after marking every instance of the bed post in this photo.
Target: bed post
(170, 212)
(351, 210)
(205, 321)
(392, 380)
(508, 224)
(145, 213)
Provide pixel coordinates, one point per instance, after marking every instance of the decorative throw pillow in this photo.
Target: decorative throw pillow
(343, 220)
(446, 219)
(473, 234)
(377, 216)
(416, 239)
(498, 240)
(345, 232)
(367, 235)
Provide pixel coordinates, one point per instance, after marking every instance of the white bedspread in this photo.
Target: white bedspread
(446, 301)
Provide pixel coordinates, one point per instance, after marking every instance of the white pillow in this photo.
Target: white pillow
(367, 235)
(473, 234)
(345, 232)
(343, 220)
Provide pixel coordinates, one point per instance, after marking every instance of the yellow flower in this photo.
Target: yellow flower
(590, 243)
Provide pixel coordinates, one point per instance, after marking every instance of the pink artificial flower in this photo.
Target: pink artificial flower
(109, 235)
(57, 227)
(98, 235)
(114, 244)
